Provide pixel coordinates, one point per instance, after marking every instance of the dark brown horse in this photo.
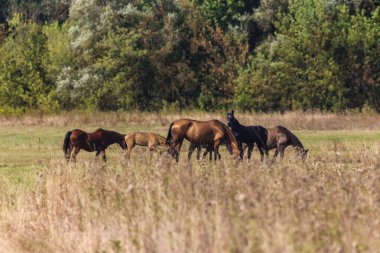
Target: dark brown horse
(207, 133)
(280, 137)
(97, 141)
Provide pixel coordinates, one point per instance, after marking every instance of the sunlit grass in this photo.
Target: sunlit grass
(328, 203)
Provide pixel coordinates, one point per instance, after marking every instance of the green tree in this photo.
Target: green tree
(295, 71)
(23, 83)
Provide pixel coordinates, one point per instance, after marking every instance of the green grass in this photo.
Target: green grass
(25, 149)
(352, 136)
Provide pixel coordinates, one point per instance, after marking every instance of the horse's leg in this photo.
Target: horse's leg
(216, 150)
(266, 150)
(204, 153)
(208, 151)
(199, 149)
(241, 151)
(68, 153)
(250, 148)
(104, 155)
(177, 150)
(191, 150)
(127, 154)
(76, 151)
(152, 147)
(275, 154)
(261, 152)
(175, 145)
(282, 150)
(97, 155)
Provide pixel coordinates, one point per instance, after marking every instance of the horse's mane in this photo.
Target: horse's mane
(295, 141)
(230, 135)
(110, 133)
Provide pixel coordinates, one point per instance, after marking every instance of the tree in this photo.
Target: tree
(23, 83)
(295, 70)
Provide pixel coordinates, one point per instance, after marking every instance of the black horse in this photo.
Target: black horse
(248, 135)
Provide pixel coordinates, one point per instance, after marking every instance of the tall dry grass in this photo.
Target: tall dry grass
(292, 120)
(329, 203)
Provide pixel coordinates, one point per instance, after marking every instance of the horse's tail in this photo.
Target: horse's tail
(170, 137)
(231, 138)
(66, 142)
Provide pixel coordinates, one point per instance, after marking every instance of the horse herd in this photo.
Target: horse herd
(201, 134)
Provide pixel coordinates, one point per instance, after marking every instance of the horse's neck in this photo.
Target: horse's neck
(232, 143)
(230, 138)
(113, 138)
(161, 140)
(237, 125)
(295, 141)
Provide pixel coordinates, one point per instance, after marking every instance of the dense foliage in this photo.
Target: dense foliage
(268, 55)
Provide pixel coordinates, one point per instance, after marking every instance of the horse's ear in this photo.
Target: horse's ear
(232, 112)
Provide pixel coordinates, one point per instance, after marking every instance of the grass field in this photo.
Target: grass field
(329, 203)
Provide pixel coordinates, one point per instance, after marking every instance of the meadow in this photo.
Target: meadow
(328, 203)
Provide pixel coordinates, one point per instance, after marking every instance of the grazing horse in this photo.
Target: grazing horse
(97, 141)
(280, 137)
(248, 135)
(151, 140)
(209, 133)
(209, 150)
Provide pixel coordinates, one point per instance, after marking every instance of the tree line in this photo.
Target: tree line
(255, 55)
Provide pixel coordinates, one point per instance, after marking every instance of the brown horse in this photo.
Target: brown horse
(207, 133)
(97, 141)
(280, 137)
(151, 140)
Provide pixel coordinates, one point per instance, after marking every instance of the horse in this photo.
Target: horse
(280, 137)
(151, 140)
(97, 141)
(207, 133)
(249, 135)
(209, 150)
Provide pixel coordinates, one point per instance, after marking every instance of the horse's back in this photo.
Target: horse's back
(198, 132)
(260, 130)
(98, 135)
(77, 133)
(186, 121)
(144, 138)
(281, 130)
(277, 135)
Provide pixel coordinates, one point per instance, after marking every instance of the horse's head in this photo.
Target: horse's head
(230, 118)
(122, 142)
(302, 153)
(233, 149)
(228, 146)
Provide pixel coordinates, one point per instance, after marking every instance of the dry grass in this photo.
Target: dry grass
(330, 203)
(292, 120)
